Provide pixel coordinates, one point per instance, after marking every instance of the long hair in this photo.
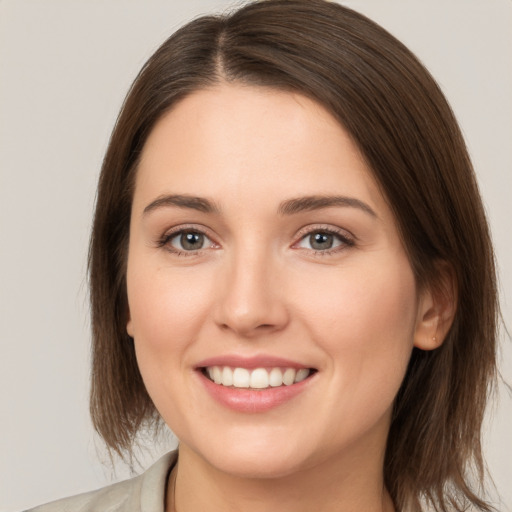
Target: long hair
(396, 114)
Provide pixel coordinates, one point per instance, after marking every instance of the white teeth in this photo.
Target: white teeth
(276, 377)
(227, 376)
(217, 375)
(259, 378)
(289, 376)
(301, 374)
(241, 378)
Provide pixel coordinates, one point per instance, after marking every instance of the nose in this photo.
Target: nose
(251, 299)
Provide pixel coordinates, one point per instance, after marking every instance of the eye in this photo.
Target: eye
(324, 240)
(188, 240)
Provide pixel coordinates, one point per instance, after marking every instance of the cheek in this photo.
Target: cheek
(165, 307)
(364, 318)
(382, 298)
(167, 314)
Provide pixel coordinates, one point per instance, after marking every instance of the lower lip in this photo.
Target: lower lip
(252, 400)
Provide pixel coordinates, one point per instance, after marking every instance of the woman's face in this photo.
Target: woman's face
(262, 251)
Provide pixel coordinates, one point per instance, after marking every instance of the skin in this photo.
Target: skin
(256, 287)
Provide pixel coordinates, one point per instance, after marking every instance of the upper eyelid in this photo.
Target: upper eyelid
(335, 230)
(170, 233)
(346, 238)
(300, 234)
(187, 227)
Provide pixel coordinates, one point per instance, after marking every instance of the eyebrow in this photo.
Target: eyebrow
(288, 207)
(182, 201)
(309, 203)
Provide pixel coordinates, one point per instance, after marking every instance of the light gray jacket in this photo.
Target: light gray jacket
(144, 493)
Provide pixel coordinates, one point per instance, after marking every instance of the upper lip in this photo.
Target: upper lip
(259, 361)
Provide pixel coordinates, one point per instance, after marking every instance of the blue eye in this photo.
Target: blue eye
(323, 241)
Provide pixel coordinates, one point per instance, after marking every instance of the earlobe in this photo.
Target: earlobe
(129, 326)
(426, 343)
(436, 310)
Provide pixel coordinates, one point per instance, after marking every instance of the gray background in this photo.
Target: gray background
(65, 66)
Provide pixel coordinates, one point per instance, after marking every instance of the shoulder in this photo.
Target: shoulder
(145, 492)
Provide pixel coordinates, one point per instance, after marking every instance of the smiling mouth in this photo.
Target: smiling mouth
(258, 378)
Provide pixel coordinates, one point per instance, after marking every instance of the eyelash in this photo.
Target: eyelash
(346, 240)
(164, 241)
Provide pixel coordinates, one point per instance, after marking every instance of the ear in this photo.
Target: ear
(129, 324)
(436, 308)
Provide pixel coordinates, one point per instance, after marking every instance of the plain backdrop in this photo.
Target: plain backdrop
(65, 66)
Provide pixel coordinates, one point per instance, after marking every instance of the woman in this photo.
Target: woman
(290, 266)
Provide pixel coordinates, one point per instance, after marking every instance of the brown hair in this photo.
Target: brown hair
(406, 130)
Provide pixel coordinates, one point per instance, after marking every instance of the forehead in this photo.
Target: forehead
(240, 138)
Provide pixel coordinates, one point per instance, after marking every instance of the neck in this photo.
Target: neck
(329, 486)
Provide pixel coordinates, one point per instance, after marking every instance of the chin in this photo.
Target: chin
(255, 458)
(258, 466)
